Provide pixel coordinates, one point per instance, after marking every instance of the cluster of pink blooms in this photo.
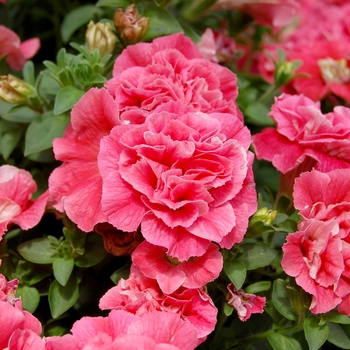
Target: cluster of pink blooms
(119, 330)
(325, 69)
(162, 148)
(317, 146)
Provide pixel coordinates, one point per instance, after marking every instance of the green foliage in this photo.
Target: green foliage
(43, 130)
(281, 342)
(76, 19)
(162, 22)
(236, 272)
(62, 298)
(67, 98)
(315, 332)
(281, 300)
(112, 3)
(337, 336)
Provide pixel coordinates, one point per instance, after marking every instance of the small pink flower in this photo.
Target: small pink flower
(17, 207)
(18, 327)
(217, 46)
(185, 176)
(170, 273)
(141, 295)
(332, 204)
(171, 68)
(313, 255)
(16, 53)
(245, 304)
(8, 289)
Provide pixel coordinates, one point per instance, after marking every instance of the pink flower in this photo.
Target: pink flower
(8, 289)
(171, 68)
(275, 13)
(217, 46)
(333, 202)
(18, 327)
(185, 176)
(17, 207)
(170, 273)
(16, 53)
(123, 330)
(313, 255)
(245, 304)
(77, 185)
(141, 295)
(304, 132)
(25, 339)
(325, 70)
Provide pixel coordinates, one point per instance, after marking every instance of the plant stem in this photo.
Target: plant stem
(269, 93)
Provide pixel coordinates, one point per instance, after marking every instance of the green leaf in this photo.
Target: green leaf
(258, 287)
(161, 23)
(30, 297)
(123, 273)
(112, 3)
(94, 251)
(42, 131)
(21, 114)
(337, 336)
(281, 342)
(191, 33)
(76, 19)
(67, 98)
(236, 272)
(62, 298)
(45, 156)
(336, 317)
(281, 300)
(5, 107)
(38, 251)
(28, 73)
(228, 309)
(9, 142)
(62, 269)
(315, 333)
(256, 255)
(196, 8)
(256, 114)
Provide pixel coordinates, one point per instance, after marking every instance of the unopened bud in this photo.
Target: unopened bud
(285, 72)
(15, 90)
(265, 216)
(100, 36)
(130, 25)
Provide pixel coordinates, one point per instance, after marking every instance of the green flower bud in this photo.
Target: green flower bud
(15, 90)
(100, 36)
(265, 216)
(130, 25)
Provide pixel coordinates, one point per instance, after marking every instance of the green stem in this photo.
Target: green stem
(264, 335)
(269, 93)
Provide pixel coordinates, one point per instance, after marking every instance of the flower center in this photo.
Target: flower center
(335, 71)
